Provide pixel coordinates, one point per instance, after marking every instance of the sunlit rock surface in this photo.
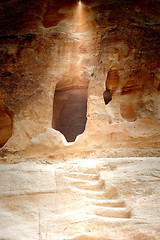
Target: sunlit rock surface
(79, 107)
(102, 45)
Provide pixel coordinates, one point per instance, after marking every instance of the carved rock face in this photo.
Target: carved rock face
(110, 48)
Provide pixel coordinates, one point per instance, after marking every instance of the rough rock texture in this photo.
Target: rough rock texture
(79, 82)
(100, 45)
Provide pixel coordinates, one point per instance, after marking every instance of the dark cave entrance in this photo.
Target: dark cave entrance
(107, 96)
(69, 111)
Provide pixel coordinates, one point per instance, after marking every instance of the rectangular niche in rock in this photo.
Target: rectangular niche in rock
(69, 111)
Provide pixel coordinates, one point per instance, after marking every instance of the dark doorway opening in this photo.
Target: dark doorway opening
(69, 111)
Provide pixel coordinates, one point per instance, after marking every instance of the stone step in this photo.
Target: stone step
(111, 212)
(111, 221)
(87, 185)
(84, 176)
(93, 194)
(87, 170)
(107, 203)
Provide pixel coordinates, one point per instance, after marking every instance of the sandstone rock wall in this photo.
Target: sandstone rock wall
(105, 45)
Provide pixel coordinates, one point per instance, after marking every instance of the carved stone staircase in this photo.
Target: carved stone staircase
(101, 201)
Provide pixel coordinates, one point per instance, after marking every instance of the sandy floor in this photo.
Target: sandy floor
(107, 198)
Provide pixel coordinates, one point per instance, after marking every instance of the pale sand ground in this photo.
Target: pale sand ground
(54, 201)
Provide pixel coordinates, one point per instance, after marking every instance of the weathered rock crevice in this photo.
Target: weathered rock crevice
(6, 126)
(107, 96)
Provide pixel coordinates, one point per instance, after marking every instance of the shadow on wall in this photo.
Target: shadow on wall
(111, 84)
(69, 111)
(6, 126)
(127, 106)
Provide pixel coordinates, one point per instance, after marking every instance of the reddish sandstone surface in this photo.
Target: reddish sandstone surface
(50, 46)
(79, 88)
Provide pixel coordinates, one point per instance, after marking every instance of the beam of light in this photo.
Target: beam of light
(80, 18)
(79, 2)
(73, 55)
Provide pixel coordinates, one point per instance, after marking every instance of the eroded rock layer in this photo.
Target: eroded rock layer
(108, 46)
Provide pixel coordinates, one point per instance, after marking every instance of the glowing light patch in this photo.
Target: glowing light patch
(79, 2)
